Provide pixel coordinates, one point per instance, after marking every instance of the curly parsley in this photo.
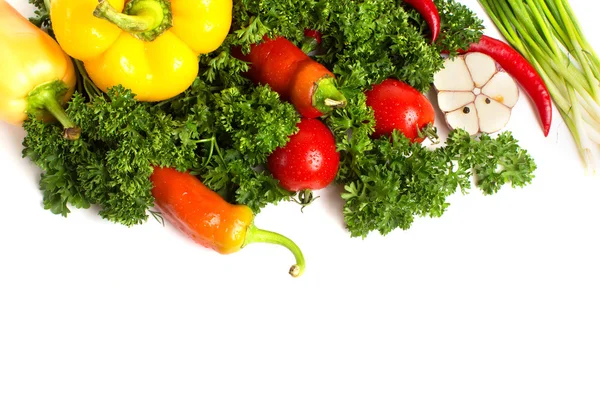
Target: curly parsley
(395, 181)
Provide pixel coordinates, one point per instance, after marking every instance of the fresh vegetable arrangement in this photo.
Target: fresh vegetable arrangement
(263, 121)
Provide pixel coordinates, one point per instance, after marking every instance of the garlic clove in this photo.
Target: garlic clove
(454, 76)
(451, 100)
(464, 118)
(492, 115)
(481, 67)
(502, 88)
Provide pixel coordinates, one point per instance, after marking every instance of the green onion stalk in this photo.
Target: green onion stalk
(548, 34)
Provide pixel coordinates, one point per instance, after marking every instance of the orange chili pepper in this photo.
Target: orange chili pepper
(208, 219)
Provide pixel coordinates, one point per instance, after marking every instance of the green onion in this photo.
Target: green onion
(548, 35)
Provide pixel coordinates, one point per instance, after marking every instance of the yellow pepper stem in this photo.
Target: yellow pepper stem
(45, 98)
(256, 235)
(144, 19)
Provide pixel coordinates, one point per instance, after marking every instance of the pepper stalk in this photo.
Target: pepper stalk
(45, 98)
(144, 19)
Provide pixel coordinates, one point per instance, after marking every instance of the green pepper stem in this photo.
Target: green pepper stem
(71, 131)
(327, 96)
(46, 97)
(88, 85)
(144, 19)
(53, 107)
(257, 235)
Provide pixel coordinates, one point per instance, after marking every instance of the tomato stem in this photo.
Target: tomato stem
(257, 235)
(429, 132)
(144, 19)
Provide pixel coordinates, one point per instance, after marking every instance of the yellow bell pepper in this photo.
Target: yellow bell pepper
(36, 76)
(148, 46)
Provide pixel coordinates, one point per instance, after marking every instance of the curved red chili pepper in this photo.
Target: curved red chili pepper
(517, 66)
(429, 11)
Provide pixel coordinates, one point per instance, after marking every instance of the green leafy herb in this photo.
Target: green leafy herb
(41, 14)
(121, 139)
(370, 39)
(396, 181)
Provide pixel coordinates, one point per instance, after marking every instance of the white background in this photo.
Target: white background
(498, 299)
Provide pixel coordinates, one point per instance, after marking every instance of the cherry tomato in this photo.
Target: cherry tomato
(309, 160)
(397, 105)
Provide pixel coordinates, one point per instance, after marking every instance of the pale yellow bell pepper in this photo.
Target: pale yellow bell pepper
(36, 76)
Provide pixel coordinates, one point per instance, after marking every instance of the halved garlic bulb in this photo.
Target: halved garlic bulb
(475, 94)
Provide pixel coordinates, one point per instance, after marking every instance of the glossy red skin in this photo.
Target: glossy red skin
(278, 68)
(199, 212)
(520, 69)
(287, 70)
(308, 161)
(429, 12)
(397, 105)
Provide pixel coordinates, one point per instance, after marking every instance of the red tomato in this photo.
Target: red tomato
(397, 105)
(309, 160)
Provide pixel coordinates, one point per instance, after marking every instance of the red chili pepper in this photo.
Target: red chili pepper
(517, 66)
(308, 85)
(209, 220)
(429, 11)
